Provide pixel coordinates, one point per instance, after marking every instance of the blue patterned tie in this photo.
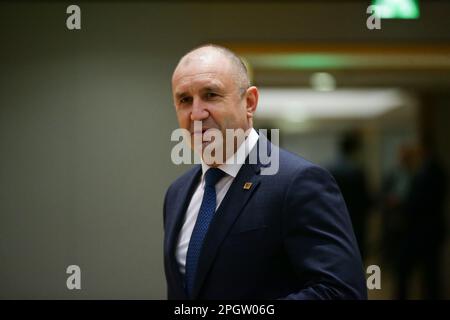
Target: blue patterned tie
(205, 215)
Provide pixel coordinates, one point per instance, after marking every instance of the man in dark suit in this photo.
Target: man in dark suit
(239, 229)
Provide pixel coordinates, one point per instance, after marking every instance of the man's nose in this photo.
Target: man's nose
(199, 111)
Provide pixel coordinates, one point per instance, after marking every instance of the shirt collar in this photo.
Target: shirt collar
(234, 163)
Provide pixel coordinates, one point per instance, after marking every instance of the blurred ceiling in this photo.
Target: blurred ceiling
(423, 67)
(299, 105)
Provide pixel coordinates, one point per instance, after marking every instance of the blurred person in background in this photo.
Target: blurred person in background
(395, 190)
(421, 245)
(351, 179)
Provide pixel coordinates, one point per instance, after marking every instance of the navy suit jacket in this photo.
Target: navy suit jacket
(288, 236)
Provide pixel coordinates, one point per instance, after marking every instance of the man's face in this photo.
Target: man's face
(205, 89)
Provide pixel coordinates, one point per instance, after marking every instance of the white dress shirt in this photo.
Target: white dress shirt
(231, 167)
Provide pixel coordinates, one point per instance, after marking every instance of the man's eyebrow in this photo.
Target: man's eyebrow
(180, 95)
(212, 88)
(208, 88)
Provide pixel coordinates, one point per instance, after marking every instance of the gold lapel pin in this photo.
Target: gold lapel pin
(247, 185)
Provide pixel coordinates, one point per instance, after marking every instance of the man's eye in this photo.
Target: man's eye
(211, 95)
(185, 100)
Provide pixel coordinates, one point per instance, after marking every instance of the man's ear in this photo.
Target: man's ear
(251, 101)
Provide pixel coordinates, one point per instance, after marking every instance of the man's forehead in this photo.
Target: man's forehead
(194, 67)
(198, 82)
(200, 72)
(196, 76)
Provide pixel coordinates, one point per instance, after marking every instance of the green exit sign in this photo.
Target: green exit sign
(397, 9)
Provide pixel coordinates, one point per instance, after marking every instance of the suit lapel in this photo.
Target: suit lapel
(181, 203)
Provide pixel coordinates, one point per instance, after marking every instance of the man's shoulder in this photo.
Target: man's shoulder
(295, 169)
(291, 163)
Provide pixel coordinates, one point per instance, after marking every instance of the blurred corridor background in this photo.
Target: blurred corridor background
(86, 117)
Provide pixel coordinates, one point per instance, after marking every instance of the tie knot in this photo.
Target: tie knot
(212, 176)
